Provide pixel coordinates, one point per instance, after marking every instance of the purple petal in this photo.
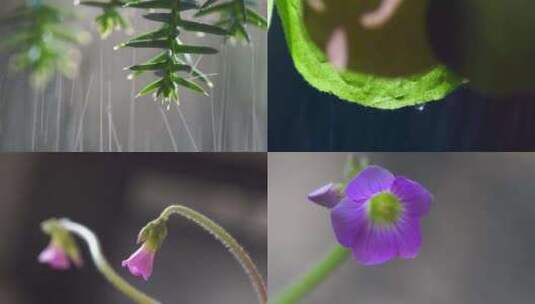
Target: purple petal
(347, 219)
(326, 196)
(410, 239)
(140, 263)
(370, 181)
(55, 257)
(375, 245)
(414, 196)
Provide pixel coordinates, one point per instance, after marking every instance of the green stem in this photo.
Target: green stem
(227, 240)
(310, 280)
(102, 264)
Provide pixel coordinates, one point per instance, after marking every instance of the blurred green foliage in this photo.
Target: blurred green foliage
(41, 43)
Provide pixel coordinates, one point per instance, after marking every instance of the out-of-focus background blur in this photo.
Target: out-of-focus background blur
(478, 242)
(116, 195)
(98, 110)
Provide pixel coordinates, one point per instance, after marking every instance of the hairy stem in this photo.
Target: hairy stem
(310, 280)
(227, 240)
(102, 264)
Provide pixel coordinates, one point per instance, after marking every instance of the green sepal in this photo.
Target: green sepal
(153, 234)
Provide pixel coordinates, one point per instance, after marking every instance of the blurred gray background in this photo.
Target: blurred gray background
(479, 240)
(98, 110)
(116, 195)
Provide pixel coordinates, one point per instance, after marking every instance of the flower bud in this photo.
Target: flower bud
(62, 249)
(328, 195)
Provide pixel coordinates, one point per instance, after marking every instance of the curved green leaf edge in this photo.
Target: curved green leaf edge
(364, 89)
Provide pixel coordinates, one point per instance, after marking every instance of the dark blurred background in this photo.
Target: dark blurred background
(116, 195)
(478, 241)
(303, 119)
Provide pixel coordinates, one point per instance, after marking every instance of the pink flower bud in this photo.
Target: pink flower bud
(140, 262)
(55, 257)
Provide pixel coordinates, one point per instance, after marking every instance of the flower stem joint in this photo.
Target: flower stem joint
(378, 215)
(62, 249)
(140, 263)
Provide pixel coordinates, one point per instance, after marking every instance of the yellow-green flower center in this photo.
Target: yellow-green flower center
(384, 208)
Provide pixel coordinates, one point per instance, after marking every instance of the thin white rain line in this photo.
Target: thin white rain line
(207, 75)
(77, 141)
(110, 118)
(199, 58)
(185, 123)
(58, 113)
(132, 113)
(116, 138)
(147, 142)
(71, 101)
(3, 78)
(223, 94)
(34, 125)
(168, 127)
(113, 131)
(41, 121)
(212, 114)
(101, 103)
(254, 146)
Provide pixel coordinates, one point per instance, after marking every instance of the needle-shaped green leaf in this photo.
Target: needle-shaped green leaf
(157, 4)
(190, 85)
(256, 19)
(201, 27)
(154, 35)
(155, 44)
(215, 9)
(194, 49)
(95, 4)
(150, 88)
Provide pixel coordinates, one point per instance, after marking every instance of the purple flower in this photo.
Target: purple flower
(327, 196)
(55, 257)
(140, 262)
(379, 218)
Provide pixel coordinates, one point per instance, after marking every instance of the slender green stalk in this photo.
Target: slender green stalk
(102, 264)
(227, 240)
(310, 280)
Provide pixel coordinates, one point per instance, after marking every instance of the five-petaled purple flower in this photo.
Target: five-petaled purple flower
(379, 217)
(56, 258)
(140, 262)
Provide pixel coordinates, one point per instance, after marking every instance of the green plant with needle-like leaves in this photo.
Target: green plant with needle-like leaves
(110, 20)
(173, 65)
(41, 43)
(233, 16)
